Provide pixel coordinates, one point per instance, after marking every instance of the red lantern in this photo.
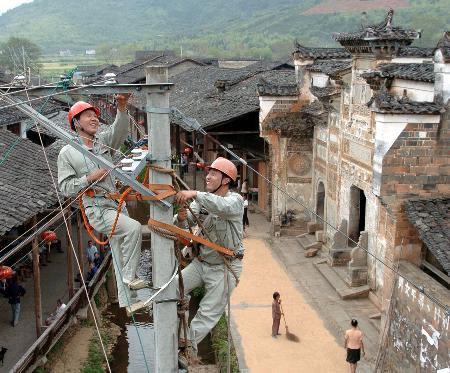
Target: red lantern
(187, 150)
(6, 272)
(49, 236)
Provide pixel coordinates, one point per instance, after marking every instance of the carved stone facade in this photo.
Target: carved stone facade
(363, 150)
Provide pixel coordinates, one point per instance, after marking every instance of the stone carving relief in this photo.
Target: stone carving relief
(298, 164)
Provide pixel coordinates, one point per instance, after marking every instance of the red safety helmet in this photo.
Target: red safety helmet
(78, 108)
(225, 166)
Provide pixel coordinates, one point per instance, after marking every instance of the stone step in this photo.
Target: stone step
(320, 236)
(308, 241)
(335, 280)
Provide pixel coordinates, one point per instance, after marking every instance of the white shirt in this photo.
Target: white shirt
(245, 203)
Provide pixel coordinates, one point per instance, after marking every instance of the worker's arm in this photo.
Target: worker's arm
(68, 181)
(346, 340)
(224, 207)
(362, 346)
(184, 218)
(115, 134)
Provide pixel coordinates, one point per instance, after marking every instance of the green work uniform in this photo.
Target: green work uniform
(73, 169)
(222, 218)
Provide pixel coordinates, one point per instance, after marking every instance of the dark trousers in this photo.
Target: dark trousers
(245, 218)
(275, 326)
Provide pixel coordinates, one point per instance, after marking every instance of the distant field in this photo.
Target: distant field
(341, 6)
(54, 65)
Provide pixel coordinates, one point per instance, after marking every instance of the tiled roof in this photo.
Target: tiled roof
(320, 53)
(383, 102)
(416, 52)
(330, 67)
(215, 95)
(135, 71)
(320, 92)
(315, 108)
(431, 217)
(292, 124)
(25, 184)
(383, 31)
(423, 72)
(266, 88)
(12, 115)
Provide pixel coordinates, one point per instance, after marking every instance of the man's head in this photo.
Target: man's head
(221, 174)
(354, 323)
(83, 117)
(89, 243)
(276, 295)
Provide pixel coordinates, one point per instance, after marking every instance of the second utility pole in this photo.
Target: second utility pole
(163, 258)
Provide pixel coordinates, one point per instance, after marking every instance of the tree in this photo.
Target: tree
(19, 54)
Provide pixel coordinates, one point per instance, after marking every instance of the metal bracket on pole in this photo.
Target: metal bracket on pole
(158, 110)
(72, 140)
(187, 123)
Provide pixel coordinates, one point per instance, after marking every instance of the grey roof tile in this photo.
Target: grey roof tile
(431, 217)
(320, 53)
(423, 72)
(26, 187)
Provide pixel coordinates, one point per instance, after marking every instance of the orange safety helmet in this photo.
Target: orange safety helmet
(225, 166)
(78, 108)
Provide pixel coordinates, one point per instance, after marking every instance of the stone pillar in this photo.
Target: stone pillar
(339, 251)
(357, 267)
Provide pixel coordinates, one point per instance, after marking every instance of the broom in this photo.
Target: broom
(290, 336)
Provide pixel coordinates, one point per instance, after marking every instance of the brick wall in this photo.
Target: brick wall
(418, 336)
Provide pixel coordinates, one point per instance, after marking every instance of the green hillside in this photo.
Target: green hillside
(209, 27)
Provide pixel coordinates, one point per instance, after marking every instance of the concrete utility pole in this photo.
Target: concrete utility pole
(163, 259)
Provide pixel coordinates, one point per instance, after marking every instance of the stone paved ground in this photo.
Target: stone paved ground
(314, 310)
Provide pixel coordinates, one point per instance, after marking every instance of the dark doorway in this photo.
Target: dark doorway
(320, 202)
(357, 215)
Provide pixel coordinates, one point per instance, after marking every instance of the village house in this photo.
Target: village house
(362, 145)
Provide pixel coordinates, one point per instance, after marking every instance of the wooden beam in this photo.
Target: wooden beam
(436, 271)
(80, 243)
(69, 235)
(37, 284)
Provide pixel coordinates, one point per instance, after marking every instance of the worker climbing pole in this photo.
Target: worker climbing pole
(219, 212)
(75, 173)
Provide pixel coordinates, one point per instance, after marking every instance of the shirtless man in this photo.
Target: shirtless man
(354, 345)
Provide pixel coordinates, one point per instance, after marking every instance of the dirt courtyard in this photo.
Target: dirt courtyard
(318, 351)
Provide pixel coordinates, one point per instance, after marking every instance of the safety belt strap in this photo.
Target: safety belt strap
(181, 233)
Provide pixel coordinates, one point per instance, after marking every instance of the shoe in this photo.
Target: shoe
(135, 307)
(274, 336)
(136, 284)
(182, 361)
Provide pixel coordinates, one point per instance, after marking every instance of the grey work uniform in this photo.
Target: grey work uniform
(73, 168)
(222, 218)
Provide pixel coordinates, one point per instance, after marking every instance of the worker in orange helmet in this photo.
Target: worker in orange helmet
(220, 211)
(76, 173)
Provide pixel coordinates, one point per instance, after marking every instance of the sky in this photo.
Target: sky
(9, 4)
